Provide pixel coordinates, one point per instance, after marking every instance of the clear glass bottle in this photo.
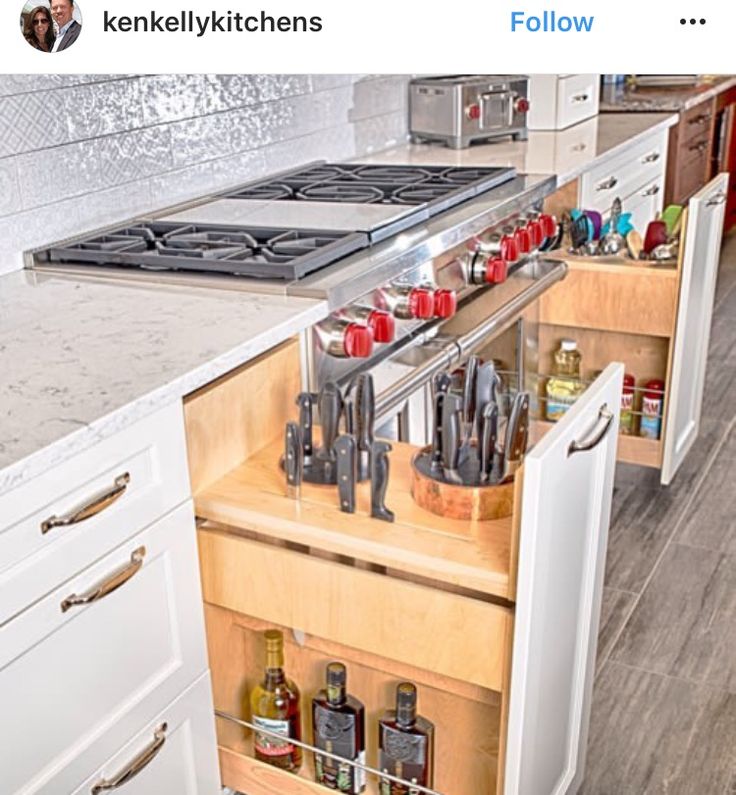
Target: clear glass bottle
(338, 722)
(565, 385)
(274, 705)
(405, 744)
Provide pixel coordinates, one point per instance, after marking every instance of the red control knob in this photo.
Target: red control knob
(382, 325)
(521, 105)
(358, 341)
(497, 269)
(421, 303)
(445, 303)
(473, 111)
(509, 248)
(535, 233)
(524, 240)
(549, 224)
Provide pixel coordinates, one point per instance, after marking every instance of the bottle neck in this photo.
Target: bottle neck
(336, 694)
(406, 717)
(274, 676)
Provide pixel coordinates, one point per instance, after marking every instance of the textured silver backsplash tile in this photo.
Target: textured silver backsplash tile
(115, 147)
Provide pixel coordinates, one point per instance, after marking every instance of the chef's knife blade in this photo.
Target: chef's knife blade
(304, 401)
(345, 450)
(517, 434)
(452, 411)
(330, 409)
(486, 384)
(366, 417)
(379, 481)
(487, 441)
(293, 460)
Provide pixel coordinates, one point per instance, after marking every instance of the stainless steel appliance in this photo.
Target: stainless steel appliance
(458, 267)
(461, 109)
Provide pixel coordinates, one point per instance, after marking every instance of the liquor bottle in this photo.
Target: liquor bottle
(275, 707)
(338, 721)
(405, 744)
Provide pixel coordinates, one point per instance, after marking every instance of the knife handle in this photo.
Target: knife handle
(471, 374)
(366, 411)
(293, 455)
(487, 441)
(379, 481)
(441, 383)
(304, 401)
(345, 450)
(330, 409)
(436, 458)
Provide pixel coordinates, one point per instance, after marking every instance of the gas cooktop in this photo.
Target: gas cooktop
(266, 252)
(434, 187)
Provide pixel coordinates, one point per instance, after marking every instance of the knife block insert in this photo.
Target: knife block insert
(477, 501)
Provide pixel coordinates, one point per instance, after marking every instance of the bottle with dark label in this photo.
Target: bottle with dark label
(338, 721)
(275, 707)
(405, 744)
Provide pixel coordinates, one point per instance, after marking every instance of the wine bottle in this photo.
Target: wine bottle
(274, 707)
(405, 744)
(338, 722)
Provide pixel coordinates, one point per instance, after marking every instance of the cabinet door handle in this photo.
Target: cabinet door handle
(581, 147)
(134, 767)
(580, 98)
(653, 191)
(90, 508)
(580, 447)
(107, 586)
(652, 158)
(701, 147)
(719, 198)
(607, 184)
(702, 119)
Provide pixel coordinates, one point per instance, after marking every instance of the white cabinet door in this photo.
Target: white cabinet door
(566, 506)
(176, 753)
(697, 291)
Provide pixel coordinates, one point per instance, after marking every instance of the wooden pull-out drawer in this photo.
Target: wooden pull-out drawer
(451, 634)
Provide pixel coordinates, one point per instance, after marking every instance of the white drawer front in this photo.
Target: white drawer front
(644, 204)
(186, 760)
(577, 99)
(151, 453)
(623, 175)
(68, 675)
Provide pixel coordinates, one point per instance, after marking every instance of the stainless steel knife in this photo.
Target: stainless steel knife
(304, 401)
(469, 406)
(485, 383)
(330, 409)
(345, 450)
(436, 454)
(452, 411)
(517, 435)
(366, 417)
(293, 460)
(487, 441)
(441, 382)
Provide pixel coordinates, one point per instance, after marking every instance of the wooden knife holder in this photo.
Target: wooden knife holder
(455, 500)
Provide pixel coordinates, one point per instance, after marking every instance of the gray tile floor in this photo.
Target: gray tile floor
(664, 700)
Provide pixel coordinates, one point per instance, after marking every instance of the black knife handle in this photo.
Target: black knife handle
(379, 481)
(293, 454)
(488, 440)
(441, 382)
(345, 450)
(436, 459)
(304, 401)
(330, 409)
(366, 411)
(451, 415)
(471, 374)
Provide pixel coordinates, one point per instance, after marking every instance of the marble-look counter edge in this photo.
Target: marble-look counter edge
(632, 103)
(59, 451)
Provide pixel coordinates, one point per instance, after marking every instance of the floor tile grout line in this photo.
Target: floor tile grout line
(683, 679)
(655, 567)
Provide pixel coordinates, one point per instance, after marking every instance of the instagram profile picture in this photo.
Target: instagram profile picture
(51, 25)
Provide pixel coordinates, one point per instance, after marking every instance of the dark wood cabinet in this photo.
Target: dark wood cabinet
(691, 149)
(723, 156)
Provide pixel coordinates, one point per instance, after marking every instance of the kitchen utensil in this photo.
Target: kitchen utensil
(350, 408)
(293, 460)
(577, 215)
(592, 248)
(347, 473)
(552, 243)
(469, 383)
(672, 216)
(366, 416)
(330, 409)
(664, 251)
(441, 382)
(634, 244)
(379, 481)
(436, 454)
(517, 434)
(596, 223)
(486, 388)
(452, 411)
(579, 232)
(655, 235)
(304, 401)
(487, 441)
(613, 243)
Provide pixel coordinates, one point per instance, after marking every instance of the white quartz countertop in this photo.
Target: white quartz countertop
(566, 153)
(80, 360)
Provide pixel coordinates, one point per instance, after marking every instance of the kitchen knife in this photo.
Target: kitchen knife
(487, 441)
(486, 391)
(452, 411)
(350, 409)
(436, 456)
(345, 450)
(379, 481)
(304, 401)
(293, 460)
(441, 382)
(330, 409)
(517, 434)
(365, 417)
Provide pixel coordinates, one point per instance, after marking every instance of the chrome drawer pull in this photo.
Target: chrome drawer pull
(580, 98)
(96, 504)
(134, 767)
(701, 147)
(651, 158)
(112, 583)
(702, 119)
(653, 191)
(608, 184)
(581, 447)
(719, 198)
